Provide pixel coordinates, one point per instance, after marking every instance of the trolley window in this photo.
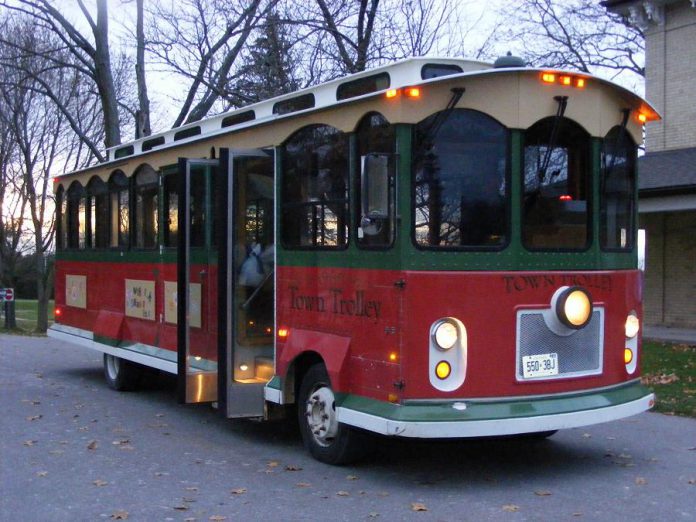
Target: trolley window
(171, 210)
(556, 186)
(77, 216)
(435, 70)
(146, 205)
(119, 236)
(375, 187)
(460, 190)
(366, 85)
(98, 213)
(618, 191)
(315, 189)
(62, 219)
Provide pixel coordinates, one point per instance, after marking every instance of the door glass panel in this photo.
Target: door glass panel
(255, 253)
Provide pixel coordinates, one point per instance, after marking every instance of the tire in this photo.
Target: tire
(326, 439)
(121, 375)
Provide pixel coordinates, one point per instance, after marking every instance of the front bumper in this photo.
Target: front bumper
(482, 418)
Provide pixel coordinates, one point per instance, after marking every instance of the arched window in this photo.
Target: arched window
(618, 191)
(461, 189)
(119, 194)
(62, 219)
(315, 188)
(557, 172)
(171, 210)
(376, 137)
(98, 193)
(77, 216)
(146, 206)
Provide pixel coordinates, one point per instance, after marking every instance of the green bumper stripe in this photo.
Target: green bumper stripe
(495, 410)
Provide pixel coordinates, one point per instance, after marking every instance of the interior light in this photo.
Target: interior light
(443, 370)
(197, 357)
(632, 325)
(391, 93)
(243, 367)
(628, 355)
(548, 78)
(413, 92)
(566, 197)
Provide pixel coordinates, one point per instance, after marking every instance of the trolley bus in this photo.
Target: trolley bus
(436, 248)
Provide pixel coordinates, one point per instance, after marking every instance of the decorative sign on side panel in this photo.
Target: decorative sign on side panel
(76, 291)
(170, 302)
(140, 299)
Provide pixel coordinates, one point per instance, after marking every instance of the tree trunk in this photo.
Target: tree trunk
(104, 77)
(143, 124)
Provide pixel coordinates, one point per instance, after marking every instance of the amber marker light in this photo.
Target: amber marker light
(443, 370)
(642, 117)
(580, 83)
(393, 357)
(57, 312)
(566, 80)
(628, 355)
(391, 93)
(548, 78)
(412, 92)
(283, 333)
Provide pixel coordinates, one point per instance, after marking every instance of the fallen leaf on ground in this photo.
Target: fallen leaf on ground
(586, 435)
(578, 514)
(351, 477)
(120, 515)
(662, 378)
(239, 491)
(181, 508)
(692, 481)
(192, 488)
(217, 518)
(542, 493)
(99, 483)
(373, 514)
(511, 508)
(640, 481)
(30, 442)
(292, 467)
(41, 473)
(303, 485)
(272, 464)
(418, 506)
(120, 442)
(92, 445)
(343, 494)
(34, 417)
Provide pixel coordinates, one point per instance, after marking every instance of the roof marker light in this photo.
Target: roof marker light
(642, 117)
(412, 92)
(548, 78)
(566, 80)
(391, 93)
(580, 83)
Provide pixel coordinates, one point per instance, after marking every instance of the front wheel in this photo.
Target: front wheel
(326, 439)
(121, 375)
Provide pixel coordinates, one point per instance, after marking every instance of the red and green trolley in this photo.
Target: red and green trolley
(435, 248)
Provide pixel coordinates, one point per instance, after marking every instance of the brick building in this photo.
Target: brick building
(667, 172)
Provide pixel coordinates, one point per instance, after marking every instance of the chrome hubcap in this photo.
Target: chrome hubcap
(321, 415)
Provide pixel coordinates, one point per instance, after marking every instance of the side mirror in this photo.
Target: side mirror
(375, 181)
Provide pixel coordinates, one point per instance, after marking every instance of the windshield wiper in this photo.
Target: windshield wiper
(562, 104)
(443, 115)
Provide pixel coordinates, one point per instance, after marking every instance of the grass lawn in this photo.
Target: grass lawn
(670, 371)
(26, 313)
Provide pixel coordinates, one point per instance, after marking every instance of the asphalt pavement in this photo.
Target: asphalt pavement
(72, 449)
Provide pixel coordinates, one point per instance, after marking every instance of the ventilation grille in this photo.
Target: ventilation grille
(579, 354)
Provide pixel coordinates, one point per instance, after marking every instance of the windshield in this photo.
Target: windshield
(556, 186)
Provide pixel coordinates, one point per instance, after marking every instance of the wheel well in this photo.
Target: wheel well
(297, 370)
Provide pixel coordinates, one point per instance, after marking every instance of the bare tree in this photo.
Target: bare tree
(45, 143)
(577, 34)
(201, 41)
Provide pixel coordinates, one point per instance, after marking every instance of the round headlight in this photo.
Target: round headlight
(446, 335)
(574, 307)
(632, 325)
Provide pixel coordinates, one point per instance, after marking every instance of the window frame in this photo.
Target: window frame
(141, 189)
(116, 188)
(93, 219)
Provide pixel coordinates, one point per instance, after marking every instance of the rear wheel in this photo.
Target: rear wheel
(326, 439)
(121, 375)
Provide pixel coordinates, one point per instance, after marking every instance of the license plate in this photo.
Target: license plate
(542, 365)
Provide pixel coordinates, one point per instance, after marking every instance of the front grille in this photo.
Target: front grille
(579, 353)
